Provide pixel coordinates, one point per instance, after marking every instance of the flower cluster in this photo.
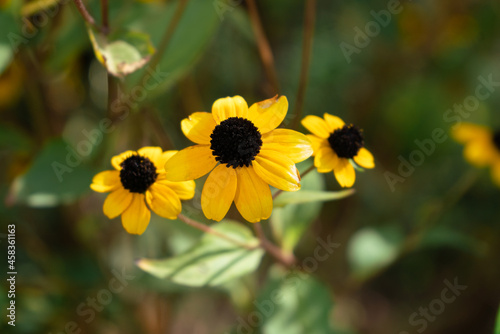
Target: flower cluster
(243, 152)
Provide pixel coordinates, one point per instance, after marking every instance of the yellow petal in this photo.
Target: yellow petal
(253, 197)
(160, 167)
(364, 158)
(479, 152)
(218, 192)
(227, 107)
(495, 173)
(152, 153)
(333, 122)
(117, 202)
(118, 159)
(190, 163)
(136, 218)
(317, 142)
(317, 126)
(326, 160)
(184, 190)
(106, 181)
(344, 173)
(465, 132)
(293, 144)
(198, 127)
(163, 201)
(267, 115)
(277, 170)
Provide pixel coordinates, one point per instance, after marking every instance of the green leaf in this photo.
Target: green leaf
(497, 326)
(306, 196)
(10, 32)
(192, 35)
(57, 175)
(212, 261)
(122, 53)
(291, 221)
(294, 303)
(370, 249)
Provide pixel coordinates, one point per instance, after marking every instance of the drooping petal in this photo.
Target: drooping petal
(226, 107)
(198, 127)
(293, 144)
(267, 115)
(253, 197)
(344, 173)
(277, 170)
(117, 202)
(326, 160)
(163, 201)
(152, 153)
(218, 192)
(317, 126)
(136, 218)
(190, 163)
(118, 159)
(317, 142)
(364, 158)
(466, 132)
(106, 181)
(333, 122)
(184, 190)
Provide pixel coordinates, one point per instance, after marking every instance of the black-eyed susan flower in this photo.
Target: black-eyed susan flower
(138, 182)
(243, 152)
(336, 145)
(482, 146)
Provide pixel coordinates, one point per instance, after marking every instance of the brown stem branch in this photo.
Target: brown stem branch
(265, 52)
(83, 11)
(105, 16)
(309, 20)
(210, 230)
(286, 259)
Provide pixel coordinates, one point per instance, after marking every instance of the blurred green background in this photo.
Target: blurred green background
(399, 244)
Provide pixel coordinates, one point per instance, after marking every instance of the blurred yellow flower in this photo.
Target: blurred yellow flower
(335, 146)
(482, 146)
(139, 178)
(252, 154)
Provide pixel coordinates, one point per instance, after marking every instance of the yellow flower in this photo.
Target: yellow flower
(335, 146)
(139, 178)
(244, 153)
(482, 146)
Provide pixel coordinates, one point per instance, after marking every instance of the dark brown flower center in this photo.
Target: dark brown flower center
(138, 173)
(346, 141)
(235, 142)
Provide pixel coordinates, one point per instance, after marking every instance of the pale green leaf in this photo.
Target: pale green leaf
(212, 261)
(306, 196)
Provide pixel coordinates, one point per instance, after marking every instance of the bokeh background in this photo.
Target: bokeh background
(406, 234)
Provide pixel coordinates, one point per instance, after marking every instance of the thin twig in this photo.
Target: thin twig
(210, 230)
(309, 20)
(167, 36)
(286, 259)
(105, 17)
(83, 11)
(265, 52)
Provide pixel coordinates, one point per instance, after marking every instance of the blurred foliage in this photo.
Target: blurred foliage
(396, 245)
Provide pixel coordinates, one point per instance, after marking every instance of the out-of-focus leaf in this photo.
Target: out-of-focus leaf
(36, 6)
(10, 33)
(191, 37)
(212, 261)
(14, 139)
(293, 303)
(57, 175)
(124, 52)
(306, 196)
(370, 249)
(442, 236)
(291, 221)
(497, 326)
